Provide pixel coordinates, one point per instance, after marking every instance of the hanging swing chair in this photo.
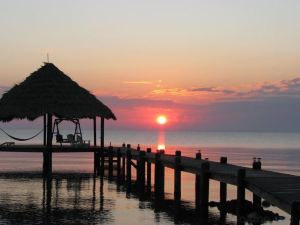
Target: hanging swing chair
(73, 139)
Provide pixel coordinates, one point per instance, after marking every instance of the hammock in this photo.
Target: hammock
(21, 139)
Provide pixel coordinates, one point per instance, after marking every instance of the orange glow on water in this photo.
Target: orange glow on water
(161, 120)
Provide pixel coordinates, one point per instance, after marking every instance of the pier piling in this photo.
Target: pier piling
(204, 188)
(241, 174)
(141, 171)
(177, 177)
(148, 172)
(223, 186)
(197, 184)
(110, 162)
(119, 164)
(256, 166)
(128, 166)
(295, 213)
(159, 184)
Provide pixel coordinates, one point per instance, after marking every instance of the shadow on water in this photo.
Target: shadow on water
(80, 198)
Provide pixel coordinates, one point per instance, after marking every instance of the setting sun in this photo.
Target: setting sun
(161, 120)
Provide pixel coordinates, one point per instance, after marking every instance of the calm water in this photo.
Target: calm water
(74, 196)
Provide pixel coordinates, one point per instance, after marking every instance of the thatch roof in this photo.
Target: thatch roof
(49, 90)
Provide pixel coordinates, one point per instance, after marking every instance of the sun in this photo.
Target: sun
(161, 120)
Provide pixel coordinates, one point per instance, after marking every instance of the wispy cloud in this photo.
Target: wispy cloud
(138, 82)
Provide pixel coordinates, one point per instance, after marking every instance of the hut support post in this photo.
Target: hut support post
(49, 130)
(177, 177)
(128, 167)
(47, 155)
(295, 213)
(96, 152)
(159, 184)
(47, 162)
(223, 186)
(141, 171)
(95, 131)
(102, 132)
(241, 174)
(149, 172)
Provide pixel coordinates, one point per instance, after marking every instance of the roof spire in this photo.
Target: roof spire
(47, 57)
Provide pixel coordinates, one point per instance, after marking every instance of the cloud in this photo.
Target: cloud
(213, 90)
(138, 82)
(287, 88)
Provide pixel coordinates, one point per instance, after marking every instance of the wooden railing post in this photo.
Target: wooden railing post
(223, 186)
(241, 186)
(141, 171)
(128, 166)
(149, 172)
(177, 177)
(159, 176)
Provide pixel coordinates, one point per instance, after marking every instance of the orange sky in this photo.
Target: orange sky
(190, 52)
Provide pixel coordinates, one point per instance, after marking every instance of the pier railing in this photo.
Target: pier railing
(281, 190)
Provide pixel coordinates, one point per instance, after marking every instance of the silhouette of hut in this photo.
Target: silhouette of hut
(49, 92)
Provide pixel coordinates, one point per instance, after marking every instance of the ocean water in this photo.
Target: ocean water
(75, 196)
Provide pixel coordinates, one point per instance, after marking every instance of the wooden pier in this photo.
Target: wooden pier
(281, 190)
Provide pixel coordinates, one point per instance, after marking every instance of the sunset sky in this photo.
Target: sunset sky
(207, 65)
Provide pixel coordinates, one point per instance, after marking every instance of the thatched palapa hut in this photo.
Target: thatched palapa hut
(49, 92)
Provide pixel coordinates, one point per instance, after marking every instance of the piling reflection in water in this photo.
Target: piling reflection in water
(85, 198)
(62, 199)
(66, 198)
